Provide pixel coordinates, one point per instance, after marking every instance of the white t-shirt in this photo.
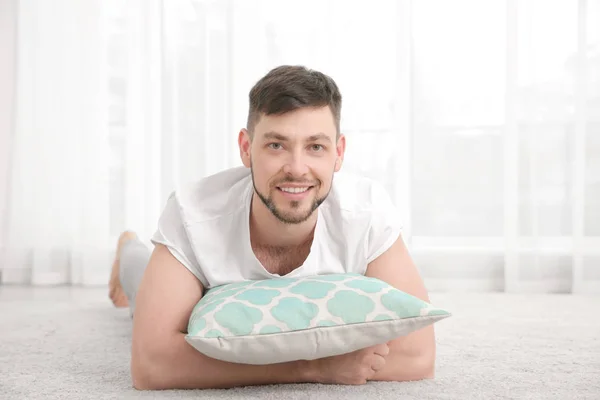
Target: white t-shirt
(206, 226)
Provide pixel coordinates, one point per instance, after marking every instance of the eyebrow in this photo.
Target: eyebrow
(312, 138)
(275, 136)
(319, 136)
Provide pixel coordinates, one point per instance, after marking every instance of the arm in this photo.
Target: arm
(412, 357)
(162, 359)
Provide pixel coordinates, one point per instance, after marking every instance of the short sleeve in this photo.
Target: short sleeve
(385, 223)
(172, 234)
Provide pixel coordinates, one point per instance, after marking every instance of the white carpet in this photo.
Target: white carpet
(69, 343)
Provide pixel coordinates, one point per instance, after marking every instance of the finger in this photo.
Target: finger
(369, 374)
(377, 362)
(382, 349)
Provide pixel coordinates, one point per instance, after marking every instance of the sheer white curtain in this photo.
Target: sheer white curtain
(506, 156)
(483, 121)
(55, 203)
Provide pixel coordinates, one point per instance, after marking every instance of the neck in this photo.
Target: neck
(267, 230)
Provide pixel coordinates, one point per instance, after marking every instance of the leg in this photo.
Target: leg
(131, 259)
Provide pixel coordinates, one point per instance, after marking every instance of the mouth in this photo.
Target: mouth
(294, 192)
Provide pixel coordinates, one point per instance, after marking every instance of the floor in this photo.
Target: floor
(70, 343)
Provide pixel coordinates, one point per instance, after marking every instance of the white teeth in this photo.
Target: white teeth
(294, 190)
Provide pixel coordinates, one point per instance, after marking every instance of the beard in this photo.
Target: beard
(289, 217)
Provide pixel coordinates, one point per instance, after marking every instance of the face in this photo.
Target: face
(293, 158)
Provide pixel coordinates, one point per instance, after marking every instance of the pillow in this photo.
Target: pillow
(286, 319)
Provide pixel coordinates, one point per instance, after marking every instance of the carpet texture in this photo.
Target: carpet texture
(70, 343)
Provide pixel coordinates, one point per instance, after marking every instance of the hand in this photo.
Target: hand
(354, 368)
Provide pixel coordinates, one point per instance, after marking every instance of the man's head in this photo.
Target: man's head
(292, 141)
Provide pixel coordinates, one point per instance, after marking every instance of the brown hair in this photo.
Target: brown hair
(287, 88)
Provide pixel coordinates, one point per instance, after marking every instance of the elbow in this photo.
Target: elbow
(142, 374)
(140, 379)
(147, 372)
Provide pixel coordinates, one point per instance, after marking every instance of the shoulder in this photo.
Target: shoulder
(213, 196)
(360, 214)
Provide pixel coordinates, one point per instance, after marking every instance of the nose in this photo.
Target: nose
(296, 165)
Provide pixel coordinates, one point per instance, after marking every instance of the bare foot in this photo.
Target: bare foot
(115, 290)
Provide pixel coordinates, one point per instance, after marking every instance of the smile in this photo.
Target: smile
(294, 189)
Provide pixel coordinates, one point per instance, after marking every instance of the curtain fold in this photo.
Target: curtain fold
(56, 206)
(8, 45)
(482, 121)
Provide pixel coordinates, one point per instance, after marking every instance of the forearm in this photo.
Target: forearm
(183, 367)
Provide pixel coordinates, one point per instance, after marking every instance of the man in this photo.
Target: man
(283, 213)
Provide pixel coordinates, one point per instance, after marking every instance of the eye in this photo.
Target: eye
(316, 147)
(275, 146)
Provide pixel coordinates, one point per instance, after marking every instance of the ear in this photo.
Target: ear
(245, 144)
(340, 150)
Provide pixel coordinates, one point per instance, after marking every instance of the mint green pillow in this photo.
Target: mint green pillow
(287, 319)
